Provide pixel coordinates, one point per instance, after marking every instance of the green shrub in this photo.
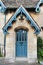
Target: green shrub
(0, 53)
(40, 48)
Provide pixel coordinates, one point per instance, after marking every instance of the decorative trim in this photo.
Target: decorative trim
(42, 1)
(23, 10)
(38, 7)
(3, 8)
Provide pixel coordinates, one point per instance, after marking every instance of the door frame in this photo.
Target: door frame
(21, 58)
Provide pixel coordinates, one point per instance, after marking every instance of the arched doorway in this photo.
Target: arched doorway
(21, 43)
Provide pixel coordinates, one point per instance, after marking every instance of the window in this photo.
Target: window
(21, 35)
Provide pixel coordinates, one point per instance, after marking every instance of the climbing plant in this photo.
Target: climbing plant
(40, 48)
(0, 53)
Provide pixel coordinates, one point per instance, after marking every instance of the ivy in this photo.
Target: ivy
(0, 53)
(40, 48)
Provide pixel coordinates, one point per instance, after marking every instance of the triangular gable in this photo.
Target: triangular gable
(2, 7)
(21, 9)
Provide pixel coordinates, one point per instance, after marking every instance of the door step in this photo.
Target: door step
(21, 59)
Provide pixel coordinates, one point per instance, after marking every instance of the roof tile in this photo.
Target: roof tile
(17, 3)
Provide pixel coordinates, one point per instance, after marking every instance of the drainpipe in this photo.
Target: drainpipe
(5, 37)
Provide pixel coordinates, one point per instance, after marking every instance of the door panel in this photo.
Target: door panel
(21, 43)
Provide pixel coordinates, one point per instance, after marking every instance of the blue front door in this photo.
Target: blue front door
(21, 43)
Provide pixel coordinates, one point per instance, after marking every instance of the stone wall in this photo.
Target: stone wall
(38, 17)
(31, 40)
(11, 37)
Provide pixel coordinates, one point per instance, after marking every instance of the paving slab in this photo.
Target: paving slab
(17, 63)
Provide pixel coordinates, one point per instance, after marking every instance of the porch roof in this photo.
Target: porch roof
(21, 10)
